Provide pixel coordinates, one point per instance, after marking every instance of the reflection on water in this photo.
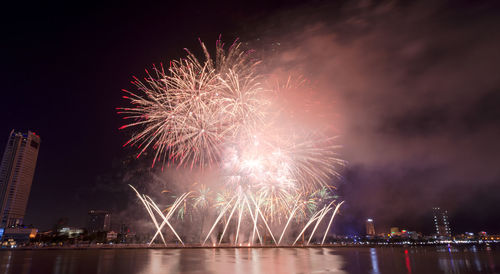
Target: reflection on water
(407, 262)
(254, 260)
(374, 260)
(244, 260)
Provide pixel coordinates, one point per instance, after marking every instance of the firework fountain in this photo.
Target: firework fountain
(223, 114)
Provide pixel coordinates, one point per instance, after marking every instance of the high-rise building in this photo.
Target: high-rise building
(16, 175)
(99, 220)
(370, 228)
(441, 222)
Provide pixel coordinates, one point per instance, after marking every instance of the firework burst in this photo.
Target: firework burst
(217, 113)
(186, 112)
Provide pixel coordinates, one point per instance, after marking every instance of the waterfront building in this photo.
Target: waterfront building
(70, 232)
(16, 175)
(370, 228)
(98, 220)
(395, 231)
(17, 235)
(410, 234)
(441, 222)
(111, 235)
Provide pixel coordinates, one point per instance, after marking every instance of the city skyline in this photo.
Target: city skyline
(15, 152)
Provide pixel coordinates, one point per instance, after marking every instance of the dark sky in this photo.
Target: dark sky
(416, 88)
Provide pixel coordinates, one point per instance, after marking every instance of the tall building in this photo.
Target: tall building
(16, 175)
(370, 228)
(441, 222)
(99, 220)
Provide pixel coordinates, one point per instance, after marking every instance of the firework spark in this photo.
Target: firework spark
(217, 113)
(185, 113)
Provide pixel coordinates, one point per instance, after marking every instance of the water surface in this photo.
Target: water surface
(254, 260)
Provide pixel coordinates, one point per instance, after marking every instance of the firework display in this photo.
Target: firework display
(222, 114)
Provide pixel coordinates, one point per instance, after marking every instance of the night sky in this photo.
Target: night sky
(416, 90)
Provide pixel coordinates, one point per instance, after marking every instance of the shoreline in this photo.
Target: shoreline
(161, 246)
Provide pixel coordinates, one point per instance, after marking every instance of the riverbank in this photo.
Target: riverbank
(223, 246)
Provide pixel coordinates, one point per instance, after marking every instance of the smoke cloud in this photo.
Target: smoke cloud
(413, 93)
(410, 89)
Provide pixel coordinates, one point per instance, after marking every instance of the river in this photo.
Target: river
(255, 260)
